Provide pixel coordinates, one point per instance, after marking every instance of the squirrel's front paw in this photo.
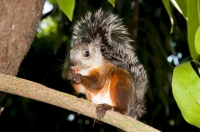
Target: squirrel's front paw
(76, 78)
(69, 75)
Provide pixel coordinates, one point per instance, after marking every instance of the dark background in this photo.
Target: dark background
(158, 50)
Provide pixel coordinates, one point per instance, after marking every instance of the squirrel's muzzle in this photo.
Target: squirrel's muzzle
(72, 63)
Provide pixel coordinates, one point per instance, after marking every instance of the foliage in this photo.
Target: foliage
(186, 91)
(197, 40)
(193, 22)
(190, 10)
(169, 11)
(67, 6)
(185, 80)
(112, 2)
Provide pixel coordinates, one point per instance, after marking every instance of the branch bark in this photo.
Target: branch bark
(32, 90)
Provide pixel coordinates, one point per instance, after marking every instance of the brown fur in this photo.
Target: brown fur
(98, 80)
(104, 83)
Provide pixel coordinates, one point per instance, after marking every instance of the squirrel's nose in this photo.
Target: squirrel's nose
(72, 63)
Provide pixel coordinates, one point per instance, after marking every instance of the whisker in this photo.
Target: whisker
(83, 65)
(54, 66)
(58, 59)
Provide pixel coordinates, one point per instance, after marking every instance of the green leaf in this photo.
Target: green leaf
(186, 91)
(67, 6)
(181, 6)
(197, 41)
(192, 25)
(112, 2)
(168, 8)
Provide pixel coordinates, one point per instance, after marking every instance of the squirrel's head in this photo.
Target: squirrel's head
(86, 57)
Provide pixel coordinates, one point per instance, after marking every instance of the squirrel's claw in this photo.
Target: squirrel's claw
(76, 78)
(101, 110)
(69, 74)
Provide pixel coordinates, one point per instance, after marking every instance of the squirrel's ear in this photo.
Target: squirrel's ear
(76, 41)
(97, 41)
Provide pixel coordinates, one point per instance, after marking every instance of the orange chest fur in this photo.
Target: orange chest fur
(96, 96)
(116, 81)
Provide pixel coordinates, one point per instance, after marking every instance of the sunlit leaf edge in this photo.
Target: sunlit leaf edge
(168, 8)
(67, 6)
(112, 2)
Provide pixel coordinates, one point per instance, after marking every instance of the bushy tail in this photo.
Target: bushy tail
(141, 84)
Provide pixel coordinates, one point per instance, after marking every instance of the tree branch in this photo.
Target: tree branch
(32, 90)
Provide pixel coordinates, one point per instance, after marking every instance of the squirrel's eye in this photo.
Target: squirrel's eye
(87, 54)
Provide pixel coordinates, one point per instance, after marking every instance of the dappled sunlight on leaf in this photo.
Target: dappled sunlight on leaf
(47, 26)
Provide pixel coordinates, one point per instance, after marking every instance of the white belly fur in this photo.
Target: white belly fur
(99, 99)
(82, 89)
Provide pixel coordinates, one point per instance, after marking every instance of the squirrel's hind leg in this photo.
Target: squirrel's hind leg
(102, 108)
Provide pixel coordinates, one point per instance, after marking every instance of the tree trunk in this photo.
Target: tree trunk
(19, 20)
